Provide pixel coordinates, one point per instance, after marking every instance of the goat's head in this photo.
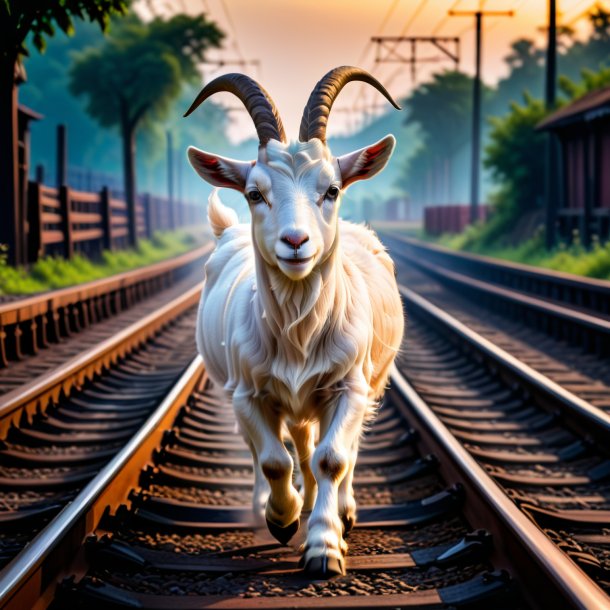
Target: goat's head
(293, 189)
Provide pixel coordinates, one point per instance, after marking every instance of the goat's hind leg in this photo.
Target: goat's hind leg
(303, 437)
(263, 427)
(260, 493)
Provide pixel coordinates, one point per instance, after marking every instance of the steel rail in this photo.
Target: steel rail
(35, 396)
(562, 572)
(592, 322)
(557, 279)
(28, 581)
(547, 389)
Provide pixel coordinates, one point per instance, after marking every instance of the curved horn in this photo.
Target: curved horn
(256, 100)
(317, 110)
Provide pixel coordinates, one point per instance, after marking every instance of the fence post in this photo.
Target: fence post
(148, 219)
(34, 217)
(106, 218)
(62, 156)
(66, 220)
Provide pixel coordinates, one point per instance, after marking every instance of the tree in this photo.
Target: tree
(515, 154)
(20, 19)
(136, 75)
(442, 108)
(526, 64)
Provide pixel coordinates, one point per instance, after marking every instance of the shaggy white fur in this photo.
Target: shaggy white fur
(300, 321)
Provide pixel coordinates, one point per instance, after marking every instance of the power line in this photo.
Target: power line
(476, 104)
(449, 48)
(233, 29)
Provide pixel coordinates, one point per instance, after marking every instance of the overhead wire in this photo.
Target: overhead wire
(359, 98)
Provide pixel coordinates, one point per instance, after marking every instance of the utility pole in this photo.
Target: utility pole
(551, 140)
(170, 181)
(386, 52)
(476, 105)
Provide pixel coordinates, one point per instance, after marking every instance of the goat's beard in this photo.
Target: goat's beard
(299, 309)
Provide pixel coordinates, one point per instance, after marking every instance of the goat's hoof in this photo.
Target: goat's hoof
(324, 567)
(348, 524)
(283, 534)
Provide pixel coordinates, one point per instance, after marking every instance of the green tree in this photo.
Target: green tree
(515, 155)
(593, 53)
(590, 81)
(526, 64)
(136, 74)
(20, 19)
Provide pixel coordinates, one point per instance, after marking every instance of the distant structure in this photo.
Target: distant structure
(583, 130)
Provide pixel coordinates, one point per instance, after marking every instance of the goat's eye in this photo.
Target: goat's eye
(255, 196)
(332, 192)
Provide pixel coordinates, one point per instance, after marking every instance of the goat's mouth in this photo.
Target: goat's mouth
(295, 261)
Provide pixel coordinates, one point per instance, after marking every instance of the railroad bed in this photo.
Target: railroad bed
(533, 336)
(537, 449)
(184, 537)
(42, 332)
(168, 524)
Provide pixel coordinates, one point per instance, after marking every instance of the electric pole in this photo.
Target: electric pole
(476, 105)
(551, 140)
(170, 180)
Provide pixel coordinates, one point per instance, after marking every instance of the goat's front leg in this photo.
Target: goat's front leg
(339, 429)
(347, 503)
(263, 427)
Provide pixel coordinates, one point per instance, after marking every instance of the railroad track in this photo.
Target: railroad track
(167, 524)
(41, 332)
(61, 429)
(545, 448)
(565, 307)
(480, 485)
(529, 336)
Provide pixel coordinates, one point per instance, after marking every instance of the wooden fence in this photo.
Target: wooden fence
(62, 221)
(440, 219)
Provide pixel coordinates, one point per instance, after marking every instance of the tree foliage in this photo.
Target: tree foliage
(141, 67)
(442, 110)
(515, 154)
(136, 74)
(20, 18)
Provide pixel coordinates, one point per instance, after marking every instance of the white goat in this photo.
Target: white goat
(300, 318)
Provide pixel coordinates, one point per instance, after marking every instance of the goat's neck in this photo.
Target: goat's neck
(297, 313)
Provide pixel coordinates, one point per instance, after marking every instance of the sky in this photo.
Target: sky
(295, 42)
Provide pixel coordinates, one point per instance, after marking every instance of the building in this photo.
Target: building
(583, 131)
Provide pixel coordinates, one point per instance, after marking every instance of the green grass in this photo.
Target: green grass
(569, 258)
(53, 272)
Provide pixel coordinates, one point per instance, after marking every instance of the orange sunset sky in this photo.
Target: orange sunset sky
(297, 41)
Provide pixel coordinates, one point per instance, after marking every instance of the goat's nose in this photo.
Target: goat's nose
(295, 239)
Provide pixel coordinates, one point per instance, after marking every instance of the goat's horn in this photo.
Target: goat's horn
(256, 100)
(317, 110)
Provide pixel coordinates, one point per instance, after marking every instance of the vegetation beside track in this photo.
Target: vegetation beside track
(54, 272)
(569, 258)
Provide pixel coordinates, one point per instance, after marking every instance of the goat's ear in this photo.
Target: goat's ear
(366, 162)
(219, 171)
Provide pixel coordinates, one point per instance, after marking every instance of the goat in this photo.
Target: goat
(300, 317)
